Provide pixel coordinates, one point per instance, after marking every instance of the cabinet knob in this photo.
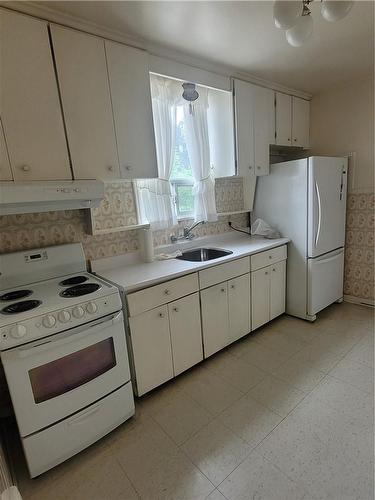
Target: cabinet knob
(273, 269)
(110, 168)
(232, 286)
(258, 167)
(222, 289)
(270, 256)
(167, 292)
(161, 315)
(266, 273)
(128, 168)
(26, 168)
(295, 139)
(288, 139)
(250, 167)
(175, 309)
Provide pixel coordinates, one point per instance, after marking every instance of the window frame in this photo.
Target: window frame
(175, 184)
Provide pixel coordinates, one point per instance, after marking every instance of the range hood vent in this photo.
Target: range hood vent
(46, 196)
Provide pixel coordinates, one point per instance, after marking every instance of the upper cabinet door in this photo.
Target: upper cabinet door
(244, 126)
(264, 127)
(283, 119)
(301, 122)
(132, 110)
(29, 102)
(5, 171)
(83, 78)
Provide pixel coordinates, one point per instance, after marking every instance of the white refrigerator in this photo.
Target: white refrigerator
(305, 200)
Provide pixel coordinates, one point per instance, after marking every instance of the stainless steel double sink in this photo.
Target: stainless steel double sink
(203, 254)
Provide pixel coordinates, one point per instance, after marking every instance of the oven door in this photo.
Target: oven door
(57, 376)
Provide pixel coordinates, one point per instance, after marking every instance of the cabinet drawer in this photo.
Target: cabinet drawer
(264, 259)
(223, 272)
(147, 299)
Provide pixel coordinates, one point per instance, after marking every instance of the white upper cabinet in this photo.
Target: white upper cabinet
(255, 127)
(244, 127)
(5, 171)
(132, 110)
(283, 119)
(264, 128)
(29, 103)
(292, 121)
(300, 122)
(83, 78)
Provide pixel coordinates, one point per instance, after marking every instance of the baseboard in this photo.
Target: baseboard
(358, 300)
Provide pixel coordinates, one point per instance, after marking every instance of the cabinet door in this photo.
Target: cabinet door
(5, 171)
(277, 292)
(301, 122)
(239, 307)
(29, 101)
(264, 128)
(132, 110)
(260, 297)
(186, 333)
(244, 126)
(151, 344)
(215, 321)
(283, 119)
(83, 78)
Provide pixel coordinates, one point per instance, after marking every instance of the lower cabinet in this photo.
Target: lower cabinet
(186, 332)
(225, 313)
(166, 341)
(267, 293)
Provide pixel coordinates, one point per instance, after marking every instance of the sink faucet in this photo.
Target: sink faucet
(187, 232)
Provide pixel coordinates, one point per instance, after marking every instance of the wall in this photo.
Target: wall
(342, 122)
(24, 231)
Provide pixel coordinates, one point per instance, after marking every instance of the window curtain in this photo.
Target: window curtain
(198, 146)
(154, 196)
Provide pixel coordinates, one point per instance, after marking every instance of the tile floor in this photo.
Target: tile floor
(284, 414)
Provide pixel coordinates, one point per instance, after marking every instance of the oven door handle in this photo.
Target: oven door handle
(66, 337)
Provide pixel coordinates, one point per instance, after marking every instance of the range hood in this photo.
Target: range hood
(46, 196)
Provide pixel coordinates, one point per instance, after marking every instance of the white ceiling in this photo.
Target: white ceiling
(242, 35)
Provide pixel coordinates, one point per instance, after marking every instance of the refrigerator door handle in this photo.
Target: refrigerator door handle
(342, 182)
(319, 213)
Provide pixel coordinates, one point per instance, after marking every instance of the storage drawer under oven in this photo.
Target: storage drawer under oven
(59, 375)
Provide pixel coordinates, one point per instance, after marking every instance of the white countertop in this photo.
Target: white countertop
(132, 275)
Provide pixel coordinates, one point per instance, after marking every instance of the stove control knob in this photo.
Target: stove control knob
(64, 316)
(91, 307)
(49, 321)
(78, 312)
(18, 331)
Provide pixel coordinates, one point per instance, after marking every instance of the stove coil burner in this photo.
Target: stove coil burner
(18, 307)
(74, 280)
(15, 295)
(78, 290)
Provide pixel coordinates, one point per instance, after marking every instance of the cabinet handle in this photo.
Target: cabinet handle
(232, 286)
(167, 292)
(222, 289)
(250, 167)
(161, 315)
(128, 168)
(26, 168)
(110, 168)
(266, 273)
(270, 256)
(175, 309)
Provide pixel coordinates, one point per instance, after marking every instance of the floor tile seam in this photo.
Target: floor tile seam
(129, 479)
(367, 393)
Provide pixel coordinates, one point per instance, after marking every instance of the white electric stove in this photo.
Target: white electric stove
(64, 354)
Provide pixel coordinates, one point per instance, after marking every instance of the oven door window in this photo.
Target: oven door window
(65, 374)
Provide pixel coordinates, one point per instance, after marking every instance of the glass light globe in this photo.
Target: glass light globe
(286, 13)
(334, 10)
(298, 35)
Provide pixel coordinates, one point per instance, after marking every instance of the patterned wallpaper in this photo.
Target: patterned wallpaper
(24, 231)
(359, 254)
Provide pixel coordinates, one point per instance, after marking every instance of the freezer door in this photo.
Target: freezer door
(326, 204)
(325, 281)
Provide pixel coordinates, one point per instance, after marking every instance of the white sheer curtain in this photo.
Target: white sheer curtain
(154, 196)
(198, 146)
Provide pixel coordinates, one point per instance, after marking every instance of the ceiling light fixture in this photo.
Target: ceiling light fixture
(294, 16)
